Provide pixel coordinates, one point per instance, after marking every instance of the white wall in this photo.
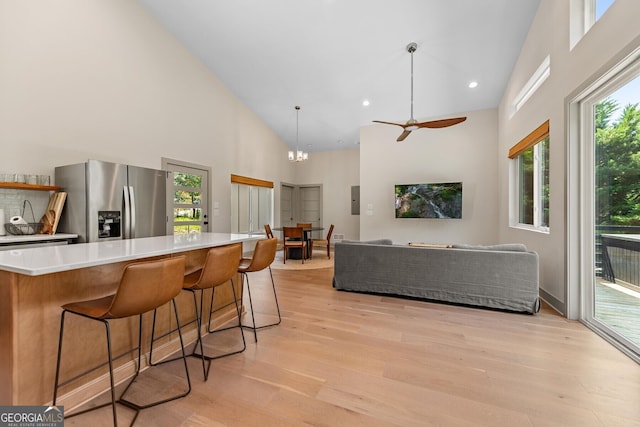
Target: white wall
(549, 34)
(101, 79)
(465, 152)
(337, 172)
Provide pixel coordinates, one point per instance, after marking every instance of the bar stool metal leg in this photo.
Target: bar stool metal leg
(253, 319)
(220, 265)
(138, 281)
(138, 407)
(263, 255)
(203, 356)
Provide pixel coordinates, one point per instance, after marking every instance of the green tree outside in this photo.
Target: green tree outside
(617, 164)
(186, 197)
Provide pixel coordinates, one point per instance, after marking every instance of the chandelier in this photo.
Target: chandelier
(298, 155)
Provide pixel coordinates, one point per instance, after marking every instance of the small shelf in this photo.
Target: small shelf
(22, 186)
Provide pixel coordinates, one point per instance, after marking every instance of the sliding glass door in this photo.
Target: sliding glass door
(612, 227)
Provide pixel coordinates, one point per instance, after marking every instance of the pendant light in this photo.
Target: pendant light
(298, 155)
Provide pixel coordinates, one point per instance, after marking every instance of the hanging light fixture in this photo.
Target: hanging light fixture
(298, 155)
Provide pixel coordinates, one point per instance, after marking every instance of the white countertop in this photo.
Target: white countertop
(10, 239)
(52, 259)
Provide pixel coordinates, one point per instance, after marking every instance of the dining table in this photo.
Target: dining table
(297, 253)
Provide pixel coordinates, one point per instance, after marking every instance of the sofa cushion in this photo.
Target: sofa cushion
(513, 247)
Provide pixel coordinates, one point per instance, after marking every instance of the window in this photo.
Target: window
(600, 7)
(187, 203)
(530, 201)
(251, 204)
(585, 13)
(532, 85)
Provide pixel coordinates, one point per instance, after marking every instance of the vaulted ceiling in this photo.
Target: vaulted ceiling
(329, 56)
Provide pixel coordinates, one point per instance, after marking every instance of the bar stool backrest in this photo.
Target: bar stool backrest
(220, 265)
(147, 285)
(263, 255)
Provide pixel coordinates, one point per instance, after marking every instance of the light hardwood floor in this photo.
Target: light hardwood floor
(346, 359)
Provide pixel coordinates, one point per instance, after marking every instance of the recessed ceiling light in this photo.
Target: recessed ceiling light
(473, 84)
(365, 103)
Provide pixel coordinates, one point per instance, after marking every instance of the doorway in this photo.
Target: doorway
(286, 205)
(301, 203)
(187, 197)
(611, 209)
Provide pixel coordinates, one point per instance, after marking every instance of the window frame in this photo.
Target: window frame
(536, 80)
(248, 200)
(583, 16)
(530, 142)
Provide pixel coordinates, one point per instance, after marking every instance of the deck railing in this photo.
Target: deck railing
(618, 258)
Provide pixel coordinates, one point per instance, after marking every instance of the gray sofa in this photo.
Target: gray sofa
(500, 276)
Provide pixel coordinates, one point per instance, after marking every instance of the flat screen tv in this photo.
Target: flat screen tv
(440, 200)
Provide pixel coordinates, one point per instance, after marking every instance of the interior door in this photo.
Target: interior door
(286, 205)
(311, 207)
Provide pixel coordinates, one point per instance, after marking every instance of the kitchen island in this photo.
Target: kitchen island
(35, 282)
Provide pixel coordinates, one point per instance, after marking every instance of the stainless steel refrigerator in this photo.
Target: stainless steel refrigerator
(109, 201)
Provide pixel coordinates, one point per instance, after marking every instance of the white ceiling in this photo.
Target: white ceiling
(329, 55)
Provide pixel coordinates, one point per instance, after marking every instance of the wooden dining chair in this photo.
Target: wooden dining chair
(307, 236)
(268, 232)
(324, 242)
(294, 238)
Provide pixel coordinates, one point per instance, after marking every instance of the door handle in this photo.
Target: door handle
(133, 213)
(127, 213)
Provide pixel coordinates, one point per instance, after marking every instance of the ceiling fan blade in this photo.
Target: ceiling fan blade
(434, 124)
(390, 123)
(403, 135)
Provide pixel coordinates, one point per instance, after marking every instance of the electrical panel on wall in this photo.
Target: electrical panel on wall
(355, 200)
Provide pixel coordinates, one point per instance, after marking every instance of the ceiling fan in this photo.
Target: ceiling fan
(412, 124)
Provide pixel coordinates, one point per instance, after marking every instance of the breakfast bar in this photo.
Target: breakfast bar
(35, 282)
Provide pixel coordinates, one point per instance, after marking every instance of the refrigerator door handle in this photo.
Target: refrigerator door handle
(127, 214)
(132, 219)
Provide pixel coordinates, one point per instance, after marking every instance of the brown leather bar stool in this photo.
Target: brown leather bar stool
(144, 286)
(263, 255)
(220, 265)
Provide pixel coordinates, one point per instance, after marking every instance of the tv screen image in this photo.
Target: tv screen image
(440, 200)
